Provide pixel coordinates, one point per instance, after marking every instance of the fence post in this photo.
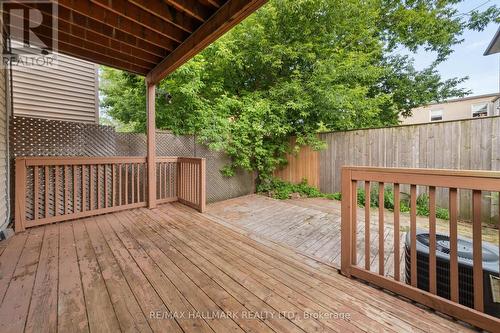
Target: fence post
(346, 216)
(20, 194)
(203, 184)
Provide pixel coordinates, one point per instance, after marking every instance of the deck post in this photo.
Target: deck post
(346, 223)
(20, 195)
(151, 133)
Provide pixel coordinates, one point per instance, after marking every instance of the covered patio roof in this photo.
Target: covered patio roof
(147, 37)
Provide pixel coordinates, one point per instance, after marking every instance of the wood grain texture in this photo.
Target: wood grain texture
(471, 144)
(113, 270)
(301, 165)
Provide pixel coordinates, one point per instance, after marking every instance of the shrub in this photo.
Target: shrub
(404, 205)
(280, 189)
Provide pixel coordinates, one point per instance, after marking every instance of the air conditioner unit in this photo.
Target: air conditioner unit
(491, 279)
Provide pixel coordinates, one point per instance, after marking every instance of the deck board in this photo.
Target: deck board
(125, 271)
(312, 226)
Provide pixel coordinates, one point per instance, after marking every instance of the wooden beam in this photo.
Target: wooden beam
(131, 12)
(107, 55)
(216, 3)
(151, 133)
(169, 13)
(116, 22)
(89, 26)
(230, 14)
(196, 10)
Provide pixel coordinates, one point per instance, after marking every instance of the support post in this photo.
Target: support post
(346, 222)
(151, 133)
(20, 195)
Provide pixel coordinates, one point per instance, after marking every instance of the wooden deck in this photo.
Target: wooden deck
(175, 270)
(312, 227)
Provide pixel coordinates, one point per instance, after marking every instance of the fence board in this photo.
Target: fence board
(302, 165)
(471, 144)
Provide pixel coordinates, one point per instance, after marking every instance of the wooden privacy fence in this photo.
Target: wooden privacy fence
(54, 189)
(452, 180)
(470, 144)
(302, 165)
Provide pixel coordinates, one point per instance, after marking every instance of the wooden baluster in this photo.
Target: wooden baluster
(397, 209)
(432, 240)
(36, 185)
(381, 231)
(105, 186)
(47, 190)
(113, 185)
(56, 190)
(198, 189)
(66, 190)
(160, 180)
(194, 183)
(120, 200)
(172, 179)
(354, 228)
(167, 177)
(99, 186)
(84, 188)
(203, 185)
(413, 234)
(75, 196)
(138, 183)
(91, 187)
(453, 246)
(477, 253)
(367, 225)
(126, 183)
(132, 181)
(144, 181)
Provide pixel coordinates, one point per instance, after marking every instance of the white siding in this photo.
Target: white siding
(65, 92)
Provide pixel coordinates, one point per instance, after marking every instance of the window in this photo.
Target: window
(436, 115)
(480, 110)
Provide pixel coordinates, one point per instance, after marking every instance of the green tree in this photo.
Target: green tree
(296, 67)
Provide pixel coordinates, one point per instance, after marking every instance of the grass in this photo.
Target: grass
(280, 189)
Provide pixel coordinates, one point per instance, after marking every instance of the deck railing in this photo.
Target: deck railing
(54, 189)
(429, 179)
(191, 175)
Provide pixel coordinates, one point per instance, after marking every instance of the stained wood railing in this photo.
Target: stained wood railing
(55, 189)
(191, 182)
(453, 181)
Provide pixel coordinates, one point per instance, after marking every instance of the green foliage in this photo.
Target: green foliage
(404, 204)
(280, 189)
(297, 67)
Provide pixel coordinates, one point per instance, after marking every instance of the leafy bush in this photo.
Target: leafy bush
(404, 205)
(280, 189)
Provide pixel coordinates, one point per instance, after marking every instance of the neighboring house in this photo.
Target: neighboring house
(68, 91)
(455, 109)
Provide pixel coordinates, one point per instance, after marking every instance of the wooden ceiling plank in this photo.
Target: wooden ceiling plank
(66, 29)
(107, 31)
(233, 12)
(94, 12)
(216, 3)
(167, 12)
(94, 57)
(128, 11)
(79, 41)
(196, 10)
